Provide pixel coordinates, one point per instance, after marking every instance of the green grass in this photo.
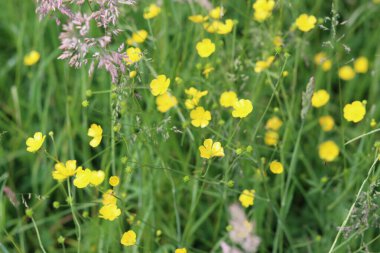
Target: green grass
(294, 212)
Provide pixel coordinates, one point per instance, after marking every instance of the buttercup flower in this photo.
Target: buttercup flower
(207, 70)
(128, 238)
(276, 167)
(82, 178)
(195, 95)
(247, 198)
(361, 65)
(228, 99)
(205, 48)
(305, 22)
(271, 138)
(320, 98)
(114, 181)
(263, 9)
(346, 73)
(35, 143)
(200, 117)
(322, 60)
(242, 108)
(95, 131)
(134, 55)
(216, 13)
(138, 37)
(152, 11)
(181, 250)
(226, 27)
(354, 112)
(109, 212)
(109, 198)
(165, 102)
(159, 85)
(31, 58)
(211, 149)
(327, 123)
(274, 123)
(278, 41)
(97, 177)
(63, 171)
(263, 65)
(328, 151)
(197, 18)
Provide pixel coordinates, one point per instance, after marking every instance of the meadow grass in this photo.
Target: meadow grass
(314, 206)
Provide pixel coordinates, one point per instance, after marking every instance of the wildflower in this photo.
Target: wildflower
(35, 143)
(274, 123)
(95, 131)
(354, 112)
(128, 238)
(320, 98)
(165, 102)
(247, 198)
(97, 177)
(205, 48)
(181, 250)
(132, 74)
(216, 13)
(271, 138)
(276, 167)
(373, 123)
(305, 22)
(242, 108)
(321, 59)
(152, 11)
(327, 123)
(198, 18)
(263, 9)
(138, 37)
(263, 65)
(109, 198)
(159, 85)
(109, 212)
(278, 41)
(361, 65)
(228, 99)
(195, 95)
(200, 117)
(211, 149)
(134, 55)
(207, 70)
(82, 178)
(226, 27)
(328, 151)
(31, 58)
(63, 171)
(346, 73)
(114, 181)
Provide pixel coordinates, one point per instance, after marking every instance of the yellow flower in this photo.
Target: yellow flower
(128, 238)
(277, 41)
(207, 70)
(320, 98)
(152, 11)
(35, 143)
(82, 178)
(114, 181)
(263, 9)
(95, 131)
(200, 117)
(262, 65)
(138, 37)
(63, 171)
(226, 27)
(211, 149)
(181, 250)
(205, 48)
(361, 65)
(242, 108)
(276, 167)
(109, 212)
(247, 198)
(134, 55)
(109, 198)
(346, 73)
(159, 85)
(165, 102)
(354, 112)
(271, 138)
(31, 58)
(328, 151)
(216, 13)
(195, 95)
(197, 18)
(228, 99)
(373, 123)
(321, 59)
(132, 74)
(274, 123)
(327, 123)
(97, 177)
(305, 22)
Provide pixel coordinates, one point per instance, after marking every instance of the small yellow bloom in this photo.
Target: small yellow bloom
(242, 108)
(152, 11)
(35, 143)
(373, 123)
(228, 99)
(226, 27)
(31, 58)
(165, 102)
(216, 13)
(132, 74)
(128, 238)
(138, 37)
(328, 151)
(263, 65)
(181, 250)
(263, 9)
(278, 41)
(354, 112)
(109, 212)
(346, 73)
(247, 198)
(95, 131)
(276, 167)
(327, 123)
(322, 60)
(114, 181)
(274, 123)
(197, 18)
(207, 70)
(320, 98)
(134, 55)
(205, 48)
(97, 177)
(305, 22)
(211, 149)
(200, 117)
(271, 138)
(109, 198)
(361, 65)
(63, 171)
(82, 178)
(159, 85)
(194, 97)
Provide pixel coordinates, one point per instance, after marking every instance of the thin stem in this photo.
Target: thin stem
(38, 235)
(77, 225)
